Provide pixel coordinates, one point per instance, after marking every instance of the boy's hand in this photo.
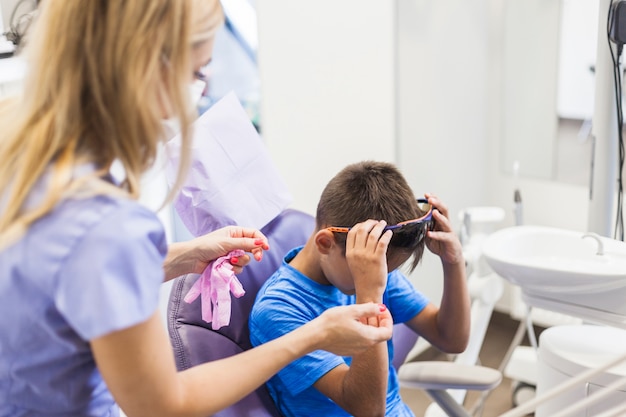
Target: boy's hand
(366, 254)
(442, 241)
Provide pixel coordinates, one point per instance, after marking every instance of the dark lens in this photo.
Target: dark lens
(409, 235)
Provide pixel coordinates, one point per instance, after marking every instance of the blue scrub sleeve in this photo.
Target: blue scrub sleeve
(111, 280)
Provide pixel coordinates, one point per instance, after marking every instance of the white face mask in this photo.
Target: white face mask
(171, 125)
(195, 91)
(171, 128)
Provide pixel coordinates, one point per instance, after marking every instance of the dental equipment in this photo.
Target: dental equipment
(530, 406)
(517, 197)
(596, 237)
(605, 131)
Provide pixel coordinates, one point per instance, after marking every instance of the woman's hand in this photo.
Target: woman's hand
(220, 242)
(195, 255)
(442, 241)
(345, 331)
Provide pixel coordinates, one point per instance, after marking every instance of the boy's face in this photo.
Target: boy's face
(337, 272)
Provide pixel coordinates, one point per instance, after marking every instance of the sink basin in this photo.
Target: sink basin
(563, 271)
(551, 259)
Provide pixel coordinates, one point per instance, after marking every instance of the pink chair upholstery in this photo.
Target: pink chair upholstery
(194, 341)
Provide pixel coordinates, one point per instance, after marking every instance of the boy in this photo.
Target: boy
(346, 260)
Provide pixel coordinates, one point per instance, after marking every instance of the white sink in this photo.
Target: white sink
(563, 271)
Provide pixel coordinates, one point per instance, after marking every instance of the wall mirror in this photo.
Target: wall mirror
(549, 51)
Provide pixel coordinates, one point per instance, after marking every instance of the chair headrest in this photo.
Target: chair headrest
(289, 229)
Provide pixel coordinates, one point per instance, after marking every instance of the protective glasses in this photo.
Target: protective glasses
(406, 234)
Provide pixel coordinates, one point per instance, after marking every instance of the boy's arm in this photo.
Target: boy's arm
(448, 326)
(361, 388)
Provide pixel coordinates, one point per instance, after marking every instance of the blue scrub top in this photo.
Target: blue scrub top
(90, 267)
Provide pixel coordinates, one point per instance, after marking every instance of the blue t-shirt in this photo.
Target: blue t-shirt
(90, 267)
(287, 301)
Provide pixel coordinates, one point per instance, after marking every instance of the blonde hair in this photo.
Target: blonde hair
(100, 76)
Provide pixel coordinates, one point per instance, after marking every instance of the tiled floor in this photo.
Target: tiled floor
(499, 336)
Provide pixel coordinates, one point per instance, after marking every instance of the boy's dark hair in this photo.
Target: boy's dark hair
(368, 190)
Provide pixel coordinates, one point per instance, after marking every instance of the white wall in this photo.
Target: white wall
(530, 40)
(336, 88)
(327, 87)
(443, 77)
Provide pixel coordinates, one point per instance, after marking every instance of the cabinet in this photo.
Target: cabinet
(567, 351)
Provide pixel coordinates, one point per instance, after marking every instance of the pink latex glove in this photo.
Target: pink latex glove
(214, 287)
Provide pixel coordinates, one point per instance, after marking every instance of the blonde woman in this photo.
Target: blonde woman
(80, 260)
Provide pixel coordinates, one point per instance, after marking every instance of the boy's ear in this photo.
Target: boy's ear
(324, 241)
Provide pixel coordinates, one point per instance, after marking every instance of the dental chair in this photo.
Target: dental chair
(195, 342)
(447, 382)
